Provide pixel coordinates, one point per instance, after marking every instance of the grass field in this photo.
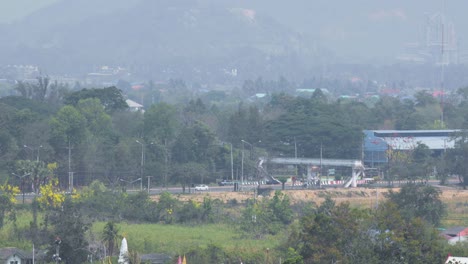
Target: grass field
(177, 239)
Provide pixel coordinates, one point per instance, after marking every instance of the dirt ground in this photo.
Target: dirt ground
(366, 197)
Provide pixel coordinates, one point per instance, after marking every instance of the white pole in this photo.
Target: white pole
(148, 183)
(232, 165)
(295, 153)
(242, 163)
(70, 180)
(320, 161)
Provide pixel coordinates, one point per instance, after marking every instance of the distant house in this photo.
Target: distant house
(11, 255)
(455, 234)
(456, 260)
(257, 97)
(134, 106)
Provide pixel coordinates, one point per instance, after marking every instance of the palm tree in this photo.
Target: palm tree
(109, 236)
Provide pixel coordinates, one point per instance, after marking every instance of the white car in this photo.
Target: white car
(201, 187)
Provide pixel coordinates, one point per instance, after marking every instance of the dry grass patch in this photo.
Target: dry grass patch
(455, 198)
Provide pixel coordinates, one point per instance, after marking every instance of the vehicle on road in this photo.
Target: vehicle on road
(273, 181)
(201, 187)
(225, 182)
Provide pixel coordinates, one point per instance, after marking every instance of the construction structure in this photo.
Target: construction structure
(355, 166)
(438, 43)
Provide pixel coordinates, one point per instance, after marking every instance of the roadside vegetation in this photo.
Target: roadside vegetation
(402, 228)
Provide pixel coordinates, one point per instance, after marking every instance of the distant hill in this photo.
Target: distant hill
(203, 40)
(15, 10)
(181, 38)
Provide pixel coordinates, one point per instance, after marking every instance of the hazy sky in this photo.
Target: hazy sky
(15, 9)
(357, 28)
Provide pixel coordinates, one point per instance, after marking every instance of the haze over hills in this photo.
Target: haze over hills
(199, 39)
(11, 11)
(183, 37)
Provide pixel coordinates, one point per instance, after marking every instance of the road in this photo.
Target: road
(230, 188)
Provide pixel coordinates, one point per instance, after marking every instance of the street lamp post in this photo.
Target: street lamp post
(321, 160)
(148, 183)
(142, 162)
(132, 182)
(70, 173)
(242, 162)
(33, 150)
(232, 166)
(22, 182)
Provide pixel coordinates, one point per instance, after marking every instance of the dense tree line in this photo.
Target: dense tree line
(90, 134)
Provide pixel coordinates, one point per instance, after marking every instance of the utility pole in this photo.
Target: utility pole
(165, 162)
(142, 163)
(251, 151)
(232, 166)
(242, 163)
(442, 74)
(149, 183)
(295, 153)
(70, 173)
(320, 159)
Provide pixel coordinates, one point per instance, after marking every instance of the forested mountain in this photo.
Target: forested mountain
(179, 37)
(219, 41)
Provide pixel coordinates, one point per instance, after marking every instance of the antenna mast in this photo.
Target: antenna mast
(442, 61)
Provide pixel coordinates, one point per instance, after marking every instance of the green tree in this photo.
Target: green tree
(416, 200)
(111, 98)
(456, 158)
(293, 257)
(195, 143)
(69, 227)
(110, 236)
(421, 161)
(238, 126)
(327, 235)
(397, 239)
(98, 121)
(37, 172)
(319, 97)
(280, 207)
(167, 205)
(36, 91)
(245, 124)
(7, 202)
(188, 174)
(395, 114)
(424, 98)
(160, 128)
(160, 123)
(314, 125)
(8, 146)
(68, 130)
(67, 126)
(267, 216)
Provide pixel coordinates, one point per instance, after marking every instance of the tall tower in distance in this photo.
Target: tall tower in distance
(440, 39)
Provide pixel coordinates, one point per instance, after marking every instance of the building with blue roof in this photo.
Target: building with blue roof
(378, 142)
